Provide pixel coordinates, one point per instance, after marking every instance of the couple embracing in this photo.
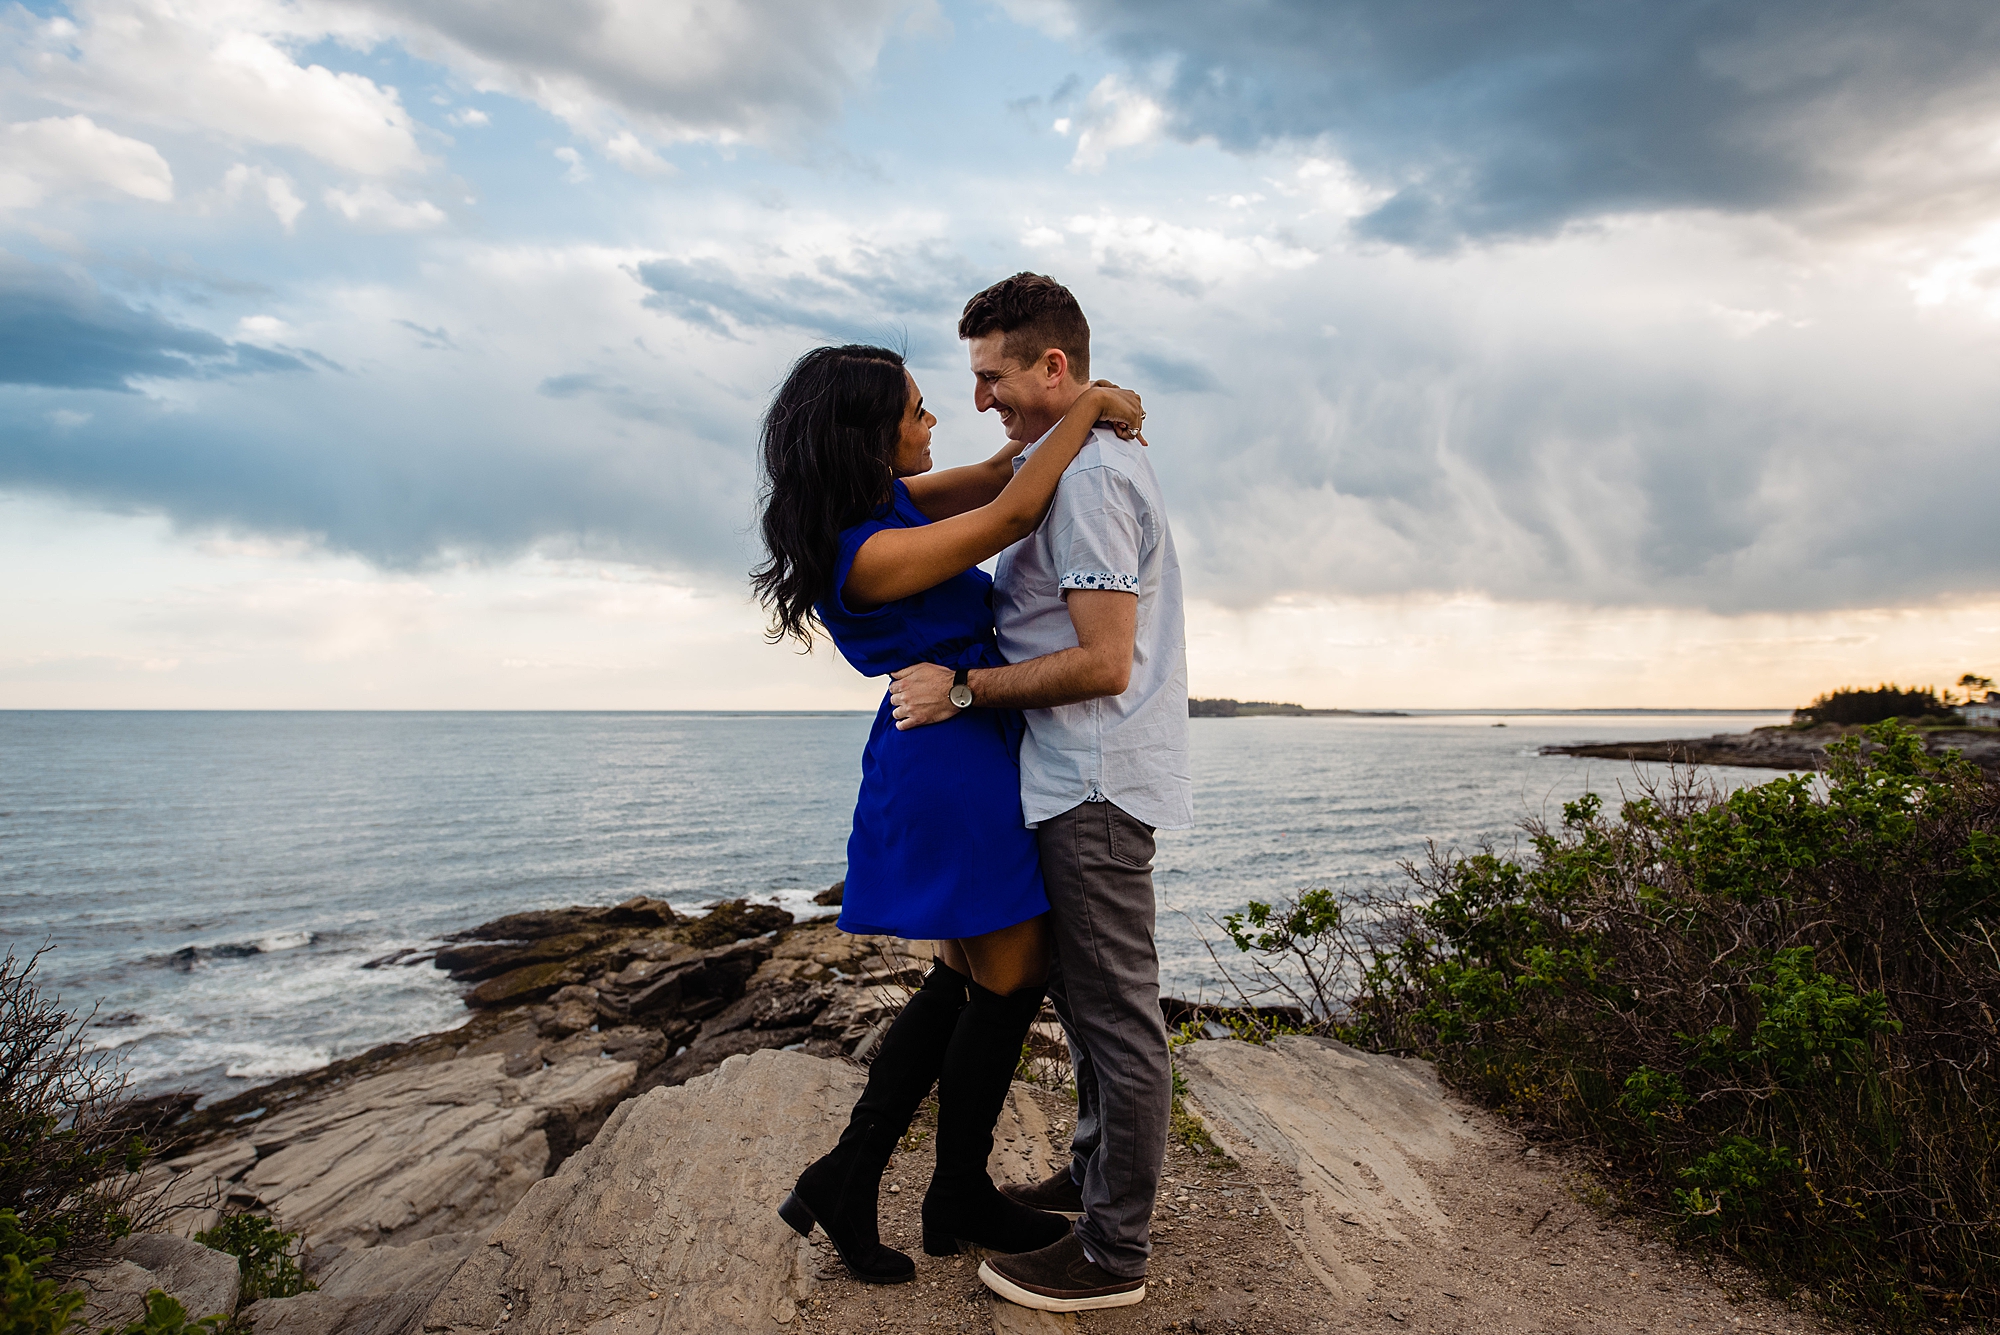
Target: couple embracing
(1034, 737)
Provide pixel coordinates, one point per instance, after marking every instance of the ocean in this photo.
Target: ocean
(212, 883)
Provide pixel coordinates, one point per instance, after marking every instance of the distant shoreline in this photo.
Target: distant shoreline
(1227, 708)
(1506, 710)
(1780, 748)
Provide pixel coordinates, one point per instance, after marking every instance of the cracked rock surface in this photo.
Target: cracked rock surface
(667, 1220)
(441, 1148)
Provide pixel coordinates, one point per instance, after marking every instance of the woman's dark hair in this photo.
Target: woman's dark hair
(829, 447)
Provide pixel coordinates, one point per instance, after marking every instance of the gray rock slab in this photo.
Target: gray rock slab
(368, 1291)
(1022, 1150)
(676, 1197)
(206, 1282)
(1353, 1126)
(447, 1147)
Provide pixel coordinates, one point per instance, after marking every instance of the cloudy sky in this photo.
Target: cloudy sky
(376, 353)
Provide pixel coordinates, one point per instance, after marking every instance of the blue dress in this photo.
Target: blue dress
(939, 848)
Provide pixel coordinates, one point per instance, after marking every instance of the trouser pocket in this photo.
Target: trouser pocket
(1127, 839)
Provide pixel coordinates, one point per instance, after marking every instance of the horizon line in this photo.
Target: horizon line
(1363, 710)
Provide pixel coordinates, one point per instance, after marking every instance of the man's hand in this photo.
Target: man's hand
(920, 694)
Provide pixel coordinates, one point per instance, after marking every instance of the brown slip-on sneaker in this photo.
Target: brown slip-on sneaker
(1059, 1278)
(1061, 1194)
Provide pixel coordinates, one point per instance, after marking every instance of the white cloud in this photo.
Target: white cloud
(1053, 17)
(625, 149)
(371, 206)
(1329, 185)
(225, 67)
(277, 191)
(1189, 258)
(1967, 274)
(469, 116)
(1115, 115)
(577, 173)
(75, 155)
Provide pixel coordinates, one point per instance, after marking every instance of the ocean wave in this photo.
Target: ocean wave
(194, 957)
(798, 903)
(273, 1061)
(128, 1029)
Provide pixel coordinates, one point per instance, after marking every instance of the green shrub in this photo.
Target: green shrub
(29, 1304)
(1776, 1010)
(71, 1143)
(267, 1256)
(164, 1315)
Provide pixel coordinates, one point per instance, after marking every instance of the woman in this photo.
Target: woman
(866, 543)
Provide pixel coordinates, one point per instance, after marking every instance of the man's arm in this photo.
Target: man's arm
(1107, 624)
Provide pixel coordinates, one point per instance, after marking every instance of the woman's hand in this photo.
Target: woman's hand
(1121, 408)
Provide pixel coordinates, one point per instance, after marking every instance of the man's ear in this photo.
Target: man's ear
(1055, 365)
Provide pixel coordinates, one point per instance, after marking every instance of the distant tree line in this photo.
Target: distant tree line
(1226, 708)
(1858, 705)
(1853, 704)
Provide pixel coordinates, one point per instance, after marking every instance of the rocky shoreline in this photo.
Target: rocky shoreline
(672, 995)
(1781, 747)
(599, 1149)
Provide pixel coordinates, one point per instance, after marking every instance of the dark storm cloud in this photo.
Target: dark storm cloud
(725, 69)
(398, 479)
(1814, 464)
(868, 297)
(61, 331)
(1492, 119)
(1161, 370)
(331, 457)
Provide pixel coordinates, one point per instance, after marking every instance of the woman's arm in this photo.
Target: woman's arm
(898, 562)
(953, 491)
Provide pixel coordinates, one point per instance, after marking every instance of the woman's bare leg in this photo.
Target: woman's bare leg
(1004, 961)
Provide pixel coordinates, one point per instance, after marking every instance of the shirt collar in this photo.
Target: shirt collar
(1021, 459)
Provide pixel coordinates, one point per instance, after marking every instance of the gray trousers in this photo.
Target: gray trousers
(1097, 864)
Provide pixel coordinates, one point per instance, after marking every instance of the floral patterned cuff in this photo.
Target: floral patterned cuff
(1101, 579)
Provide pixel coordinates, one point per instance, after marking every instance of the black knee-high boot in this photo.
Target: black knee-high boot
(963, 1205)
(838, 1192)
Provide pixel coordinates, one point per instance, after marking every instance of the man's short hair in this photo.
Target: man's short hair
(1035, 313)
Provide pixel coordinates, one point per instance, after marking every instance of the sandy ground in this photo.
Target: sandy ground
(1523, 1252)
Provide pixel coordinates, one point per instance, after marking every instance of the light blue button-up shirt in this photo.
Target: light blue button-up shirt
(1107, 529)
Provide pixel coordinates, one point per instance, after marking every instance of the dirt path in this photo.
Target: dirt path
(1355, 1196)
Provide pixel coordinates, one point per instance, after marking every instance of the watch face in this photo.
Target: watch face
(961, 695)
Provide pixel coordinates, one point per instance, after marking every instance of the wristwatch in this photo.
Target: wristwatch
(961, 689)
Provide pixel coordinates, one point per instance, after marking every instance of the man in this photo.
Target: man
(1090, 622)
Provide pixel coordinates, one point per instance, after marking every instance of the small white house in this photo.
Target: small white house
(1983, 713)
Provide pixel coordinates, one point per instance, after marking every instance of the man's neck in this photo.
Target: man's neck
(1072, 393)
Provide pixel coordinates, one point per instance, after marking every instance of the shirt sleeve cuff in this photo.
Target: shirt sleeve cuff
(1117, 581)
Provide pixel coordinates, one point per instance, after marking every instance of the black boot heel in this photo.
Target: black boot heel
(849, 1224)
(939, 1244)
(794, 1212)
